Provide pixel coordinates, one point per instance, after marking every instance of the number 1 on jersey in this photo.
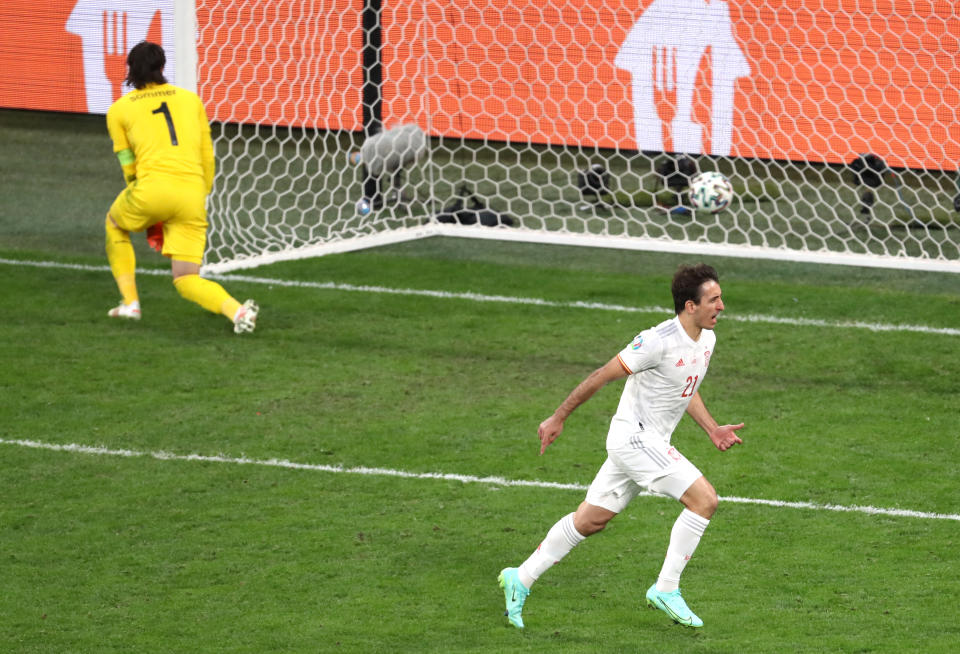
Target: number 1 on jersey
(165, 110)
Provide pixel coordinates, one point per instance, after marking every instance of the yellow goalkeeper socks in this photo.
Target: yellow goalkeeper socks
(208, 294)
(123, 262)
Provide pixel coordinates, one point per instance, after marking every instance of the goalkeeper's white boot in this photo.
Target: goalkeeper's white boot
(128, 311)
(245, 320)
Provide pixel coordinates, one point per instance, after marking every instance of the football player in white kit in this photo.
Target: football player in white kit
(664, 366)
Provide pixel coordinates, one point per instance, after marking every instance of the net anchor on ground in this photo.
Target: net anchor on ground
(468, 209)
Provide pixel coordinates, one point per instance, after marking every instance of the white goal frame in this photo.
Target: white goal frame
(402, 235)
(194, 70)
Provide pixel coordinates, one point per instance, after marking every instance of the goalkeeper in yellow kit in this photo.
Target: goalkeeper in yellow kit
(161, 136)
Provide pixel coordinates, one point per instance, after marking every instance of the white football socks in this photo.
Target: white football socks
(561, 538)
(684, 538)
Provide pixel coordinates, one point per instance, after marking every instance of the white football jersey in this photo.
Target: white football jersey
(666, 368)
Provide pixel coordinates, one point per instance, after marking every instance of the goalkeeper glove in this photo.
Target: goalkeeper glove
(155, 237)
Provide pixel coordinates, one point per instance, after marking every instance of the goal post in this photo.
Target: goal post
(576, 122)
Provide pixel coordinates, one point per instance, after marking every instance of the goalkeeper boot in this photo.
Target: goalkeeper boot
(245, 321)
(673, 605)
(128, 311)
(515, 594)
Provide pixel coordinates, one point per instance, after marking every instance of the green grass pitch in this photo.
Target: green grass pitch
(845, 377)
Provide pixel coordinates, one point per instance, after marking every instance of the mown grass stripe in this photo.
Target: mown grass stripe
(443, 476)
(480, 297)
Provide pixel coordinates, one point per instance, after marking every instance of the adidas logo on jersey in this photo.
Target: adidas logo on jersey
(680, 363)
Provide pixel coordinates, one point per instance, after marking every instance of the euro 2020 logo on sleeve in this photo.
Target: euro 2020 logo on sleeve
(108, 29)
(663, 53)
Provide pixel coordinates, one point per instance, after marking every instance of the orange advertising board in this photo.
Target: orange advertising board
(835, 77)
(282, 62)
(509, 70)
(41, 64)
(287, 62)
(814, 80)
(70, 55)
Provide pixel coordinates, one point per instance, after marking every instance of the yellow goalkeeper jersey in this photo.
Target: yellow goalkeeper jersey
(162, 129)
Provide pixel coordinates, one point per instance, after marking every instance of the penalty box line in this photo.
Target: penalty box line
(466, 479)
(508, 299)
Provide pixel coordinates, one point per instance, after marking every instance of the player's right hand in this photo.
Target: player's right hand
(548, 431)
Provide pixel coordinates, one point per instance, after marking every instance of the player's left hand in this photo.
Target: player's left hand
(725, 436)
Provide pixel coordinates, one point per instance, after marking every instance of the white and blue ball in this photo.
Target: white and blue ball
(710, 192)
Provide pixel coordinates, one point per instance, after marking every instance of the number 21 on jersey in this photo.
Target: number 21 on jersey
(691, 386)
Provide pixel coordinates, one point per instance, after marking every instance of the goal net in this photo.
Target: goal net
(342, 124)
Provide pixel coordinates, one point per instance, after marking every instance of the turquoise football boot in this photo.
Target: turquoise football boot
(515, 594)
(673, 605)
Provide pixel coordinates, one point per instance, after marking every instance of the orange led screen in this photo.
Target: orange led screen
(816, 80)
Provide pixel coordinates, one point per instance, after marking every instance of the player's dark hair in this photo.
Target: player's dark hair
(145, 65)
(687, 282)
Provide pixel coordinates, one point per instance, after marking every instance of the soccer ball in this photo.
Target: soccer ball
(710, 192)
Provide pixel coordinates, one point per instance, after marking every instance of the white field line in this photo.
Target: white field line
(508, 299)
(466, 479)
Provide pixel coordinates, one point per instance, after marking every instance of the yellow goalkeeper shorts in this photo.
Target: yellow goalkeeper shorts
(180, 206)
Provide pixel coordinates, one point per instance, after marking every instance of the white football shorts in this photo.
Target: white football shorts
(653, 465)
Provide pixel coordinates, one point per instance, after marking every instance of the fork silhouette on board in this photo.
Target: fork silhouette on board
(665, 90)
(115, 51)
